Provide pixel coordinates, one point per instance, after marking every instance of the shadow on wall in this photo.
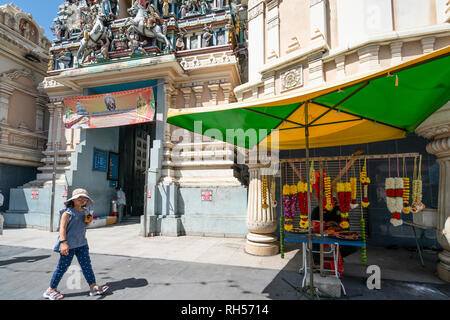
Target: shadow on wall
(12, 177)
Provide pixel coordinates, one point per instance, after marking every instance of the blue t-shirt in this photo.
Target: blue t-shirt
(76, 229)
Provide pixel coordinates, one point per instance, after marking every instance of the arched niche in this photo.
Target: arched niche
(28, 30)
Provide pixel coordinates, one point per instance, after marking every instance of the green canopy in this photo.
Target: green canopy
(382, 105)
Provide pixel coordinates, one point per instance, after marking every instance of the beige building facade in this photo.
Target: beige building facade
(295, 46)
(23, 108)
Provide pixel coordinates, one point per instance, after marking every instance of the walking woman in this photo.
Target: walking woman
(72, 241)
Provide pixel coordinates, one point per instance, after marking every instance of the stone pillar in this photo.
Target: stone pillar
(273, 30)
(256, 42)
(437, 127)
(59, 123)
(51, 126)
(5, 93)
(318, 19)
(261, 223)
(40, 111)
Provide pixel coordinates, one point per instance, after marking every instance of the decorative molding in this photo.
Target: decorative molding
(22, 141)
(396, 52)
(293, 45)
(340, 67)
(207, 60)
(15, 74)
(256, 11)
(439, 147)
(292, 78)
(428, 44)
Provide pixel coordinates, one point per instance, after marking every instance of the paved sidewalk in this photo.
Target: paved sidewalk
(124, 240)
(197, 268)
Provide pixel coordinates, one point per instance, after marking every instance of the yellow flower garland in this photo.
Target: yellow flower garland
(265, 205)
(327, 185)
(406, 194)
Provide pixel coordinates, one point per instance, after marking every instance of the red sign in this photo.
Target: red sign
(149, 194)
(206, 195)
(35, 194)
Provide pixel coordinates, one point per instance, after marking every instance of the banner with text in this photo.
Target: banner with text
(110, 110)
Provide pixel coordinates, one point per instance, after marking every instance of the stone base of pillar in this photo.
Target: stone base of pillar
(262, 244)
(443, 267)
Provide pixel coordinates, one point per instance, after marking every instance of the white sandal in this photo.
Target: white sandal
(52, 294)
(98, 291)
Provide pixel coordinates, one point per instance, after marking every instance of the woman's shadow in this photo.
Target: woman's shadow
(113, 287)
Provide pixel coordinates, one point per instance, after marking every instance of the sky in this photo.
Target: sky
(43, 11)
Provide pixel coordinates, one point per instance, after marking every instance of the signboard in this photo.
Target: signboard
(110, 110)
(206, 195)
(100, 160)
(35, 194)
(113, 166)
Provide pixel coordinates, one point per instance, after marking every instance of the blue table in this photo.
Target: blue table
(303, 237)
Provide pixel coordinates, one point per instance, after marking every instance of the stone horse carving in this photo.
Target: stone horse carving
(138, 25)
(89, 43)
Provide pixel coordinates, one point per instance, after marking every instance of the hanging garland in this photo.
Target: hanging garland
(281, 222)
(417, 204)
(365, 181)
(353, 184)
(312, 174)
(406, 191)
(264, 205)
(272, 192)
(329, 203)
(302, 188)
(289, 203)
(363, 229)
(394, 199)
(344, 190)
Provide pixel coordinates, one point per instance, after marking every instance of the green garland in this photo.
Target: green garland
(281, 222)
(281, 236)
(363, 249)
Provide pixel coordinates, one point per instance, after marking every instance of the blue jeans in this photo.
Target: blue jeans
(64, 263)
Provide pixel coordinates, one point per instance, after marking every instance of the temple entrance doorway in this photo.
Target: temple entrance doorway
(132, 163)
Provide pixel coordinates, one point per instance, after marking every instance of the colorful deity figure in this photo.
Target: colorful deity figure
(193, 6)
(165, 7)
(203, 6)
(208, 34)
(109, 8)
(183, 9)
(135, 45)
(180, 42)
